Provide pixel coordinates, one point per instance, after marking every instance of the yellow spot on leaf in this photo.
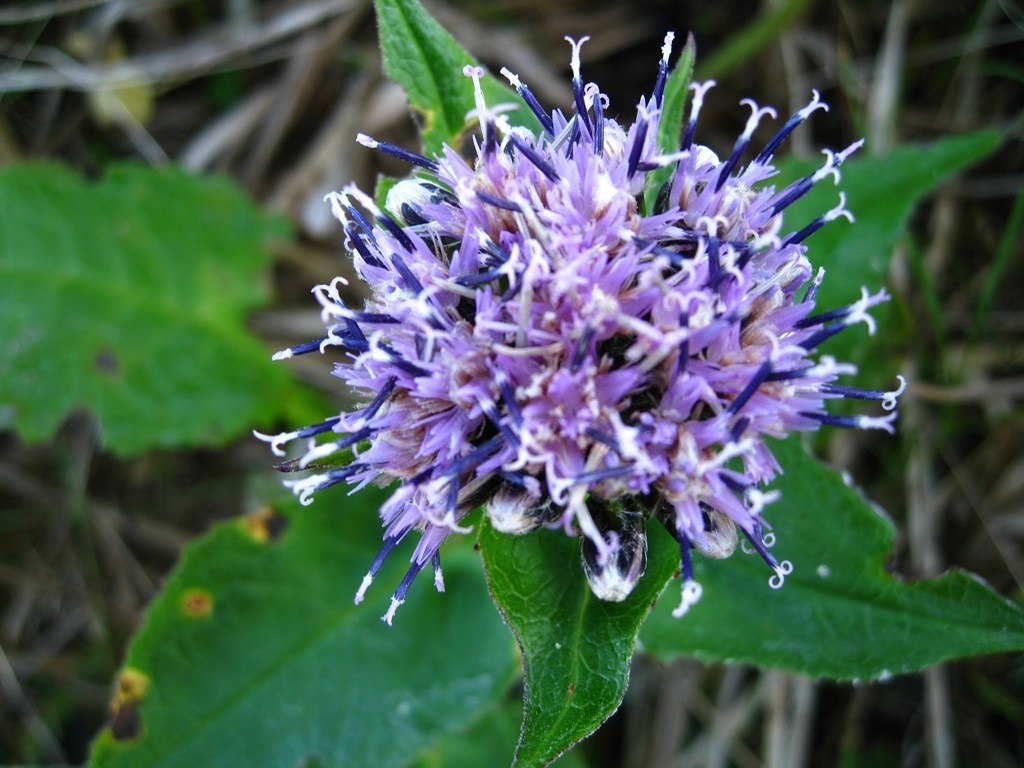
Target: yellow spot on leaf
(197, 603)
(125, 719)
(266, 524)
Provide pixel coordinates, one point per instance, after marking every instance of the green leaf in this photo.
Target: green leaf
(254, 654)
(427, 62)
(128, 296)
(576, 649)
(839, 614)
(486, 742)
(762, 31)
(882, 192)
(670, 127)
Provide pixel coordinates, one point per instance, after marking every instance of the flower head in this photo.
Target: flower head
(539, 343)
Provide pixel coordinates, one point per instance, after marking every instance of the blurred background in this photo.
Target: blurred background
(273, 93)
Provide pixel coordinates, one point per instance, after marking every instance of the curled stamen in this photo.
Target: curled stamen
(782, 570)
(699, 91)
(890, 398)
(690, 595)
(276, 441)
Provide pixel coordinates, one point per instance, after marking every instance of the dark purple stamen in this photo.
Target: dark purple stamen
(339, 475)
(408, 277)
(582, 345)
(355, 437)
(659, 84)
(758, 544)
(689, 133)
(854, 392)
(536, 108)
(509, 396)
(363, 222)
(402, 363)
(306, 347)
(727, 167)
(735, 485)
(824, 317)
(823, 335)
(812, 291)
(407, 580)
(714, 264)
(390, 543)
(453, 494)
(603, 437)
(744, 253)
(803, 234)
(686, 556)
(603, 474)
(684, 346)
(736, 433)
(792, 193)
(481, 277)
(581, 103)
(497, 202)
(373, 318)
(751, 388)
(392, 226)
(495, 418)
(404, 154)
(769, 149)
(317, 429)
(796, 373)
(478, 455)
(412, 216)
(598, 126)
(379, 399)
(833, 420)
(528, 152)
(362, 248)
(638, 146)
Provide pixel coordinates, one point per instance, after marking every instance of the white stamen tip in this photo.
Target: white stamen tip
(757, 113)
(690, 596)
(815, 103)
(666, 47)
(367, 141)
(840, 210)
(276, 441)
(878, 422)
(361, 592)
(512, 77)
(284, 354)
(388, 617)
(439, 580)
(889, 400)
(576, 45)
(317, 452)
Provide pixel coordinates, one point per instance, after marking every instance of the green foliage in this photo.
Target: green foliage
(670, 127)
(427, 62)
(839, 614)
(754, 37)
(486, 742)
(128, 296)
(576, 649)
(254, 654)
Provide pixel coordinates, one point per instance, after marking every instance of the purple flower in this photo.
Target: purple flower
(537, 343)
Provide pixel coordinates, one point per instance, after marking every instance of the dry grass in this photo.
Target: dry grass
(273, 94)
